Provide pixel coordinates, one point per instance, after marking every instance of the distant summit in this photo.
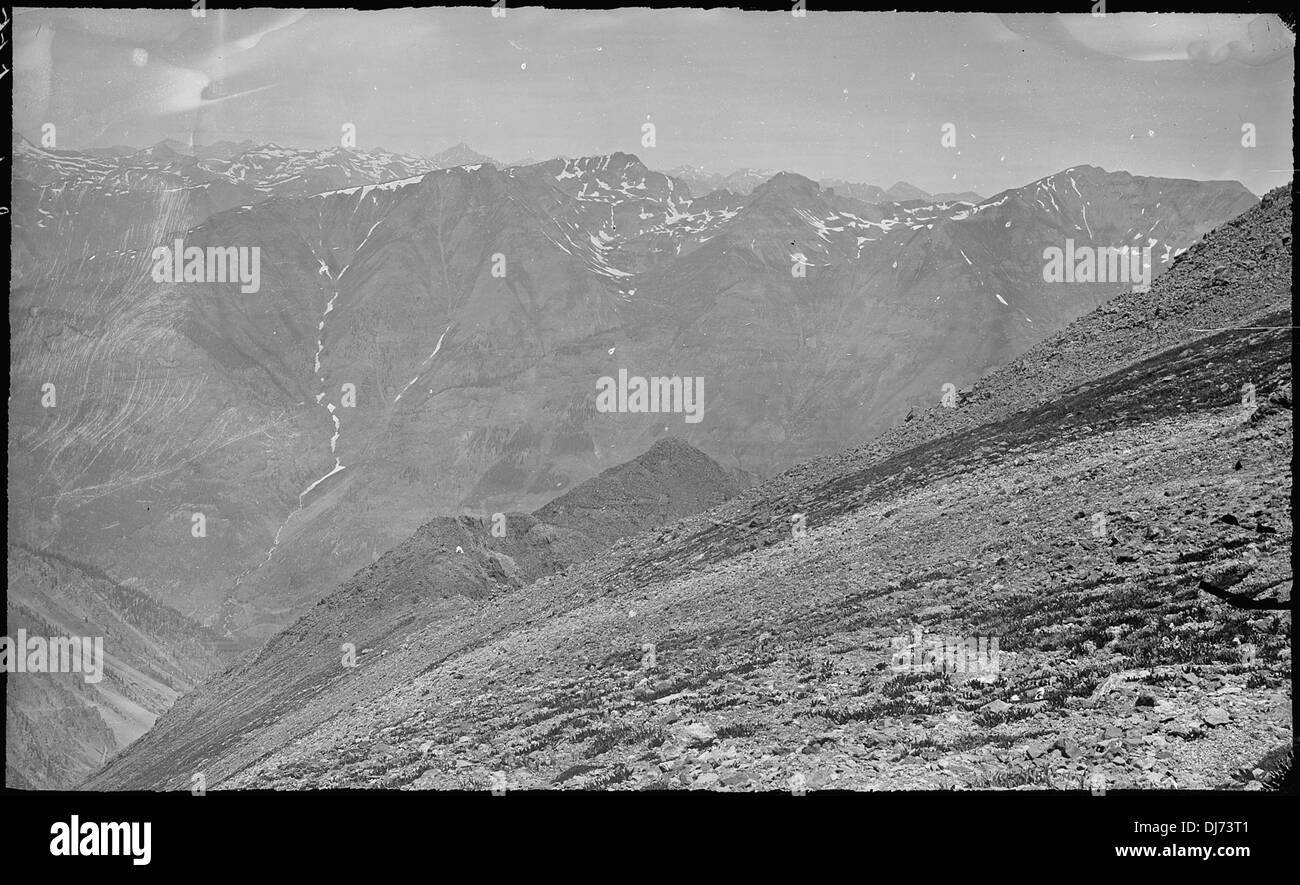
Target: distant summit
(461, 154)
(746, 181)
(787, 186)
(960, 197)
(701, 181)
(901, 192)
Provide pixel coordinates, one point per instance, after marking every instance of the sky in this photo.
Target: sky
(865, 97)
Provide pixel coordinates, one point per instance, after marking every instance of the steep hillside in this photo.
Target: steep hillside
(1228, 279)
(60, 727)
(1110, 508)
(450, 566)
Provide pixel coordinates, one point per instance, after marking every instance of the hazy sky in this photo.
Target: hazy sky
(858, 96)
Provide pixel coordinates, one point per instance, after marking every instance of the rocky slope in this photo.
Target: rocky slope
(447, 567)
(1111, 507)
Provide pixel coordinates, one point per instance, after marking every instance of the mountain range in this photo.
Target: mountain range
(429, 342)
(1109, 511)
(701, 182)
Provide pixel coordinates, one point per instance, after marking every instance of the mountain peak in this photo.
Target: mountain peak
(670, 447)
(619, 163)
(901, 192)
(1083, 172)
(461, 154)
(788, 183)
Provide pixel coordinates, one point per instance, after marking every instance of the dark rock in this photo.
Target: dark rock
(1227, 574)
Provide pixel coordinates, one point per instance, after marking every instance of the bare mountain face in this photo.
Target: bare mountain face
(433, 342)
(1112, 507)
(60, 726)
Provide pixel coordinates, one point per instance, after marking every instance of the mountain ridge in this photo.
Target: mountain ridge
(448, 565)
